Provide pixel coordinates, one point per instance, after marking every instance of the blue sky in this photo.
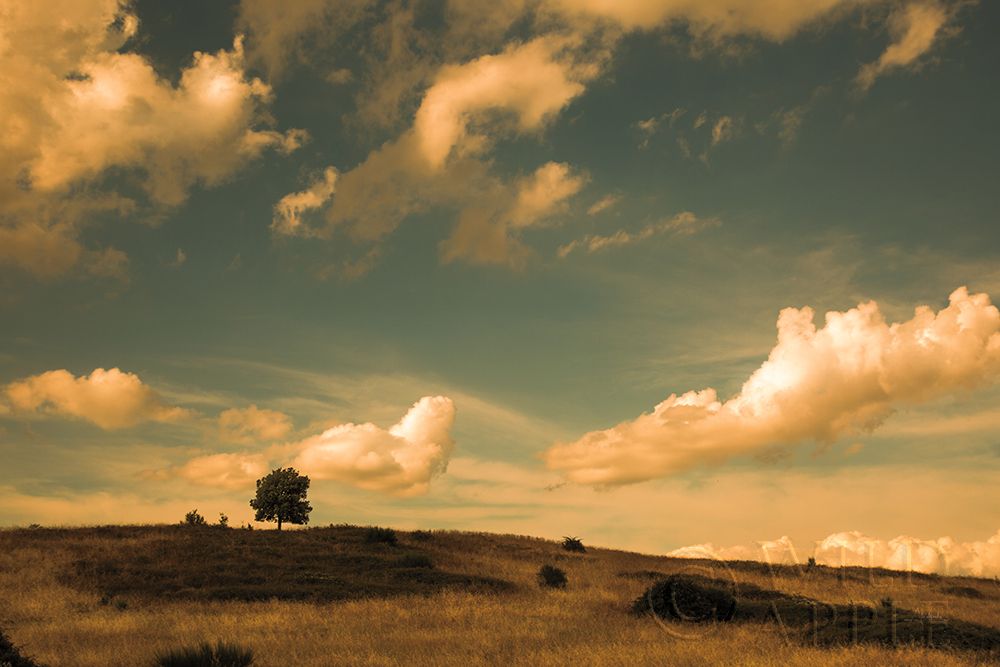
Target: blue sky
(554, 214)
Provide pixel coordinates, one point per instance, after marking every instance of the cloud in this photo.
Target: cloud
(253, 424)
(943, 555)
(400, 460)
(223, 471)
(683, 223)
(723, 130)
(605, 203)
(394, 183)
(288, 211)
(528, 80)
(277, 30)
(472, 85)
(819, 384)
(915, 28)
(110, 399)
(75, 104)
(650, 126)
(180, 258)
(544, 192)
(712, 20)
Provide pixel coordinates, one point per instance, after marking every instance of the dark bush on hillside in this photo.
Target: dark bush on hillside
(422, 535)
(687, 598)
(192, 518)
(206, 655)
(551, 577)
(376, 535)
(11, 657)
(573, 544)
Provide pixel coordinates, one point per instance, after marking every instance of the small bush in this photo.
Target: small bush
(192, 518)
(376, 535)
(206, 655)
(11, 657)
(223, 520)
(422, 535)
(551, 577)
(811, 563)
(415, 560)
(573, 544)
(687, 598)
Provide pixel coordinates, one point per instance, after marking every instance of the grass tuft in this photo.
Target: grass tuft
(206, 655)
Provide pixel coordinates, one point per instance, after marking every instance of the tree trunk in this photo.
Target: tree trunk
(279, 523)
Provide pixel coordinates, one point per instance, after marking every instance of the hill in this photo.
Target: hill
(347, 595)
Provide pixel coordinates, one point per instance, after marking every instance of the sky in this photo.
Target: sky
(667, 275)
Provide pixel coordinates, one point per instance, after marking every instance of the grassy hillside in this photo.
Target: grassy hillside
(345, 595)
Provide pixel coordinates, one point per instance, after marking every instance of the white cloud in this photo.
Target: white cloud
(400, 460)
(74, 105)
(288, 211)
(223, 471)
(915, 28)
(816, 384)
(943, 555)
(544, 193)
(253, 424)
(683, 223)
(605, 203)
(723, 130)
(111, 399)
(528, 80)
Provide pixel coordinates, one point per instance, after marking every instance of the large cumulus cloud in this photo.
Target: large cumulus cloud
(400, 460)
(817, 384)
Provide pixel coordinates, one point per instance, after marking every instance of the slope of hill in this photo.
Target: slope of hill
(344, 595)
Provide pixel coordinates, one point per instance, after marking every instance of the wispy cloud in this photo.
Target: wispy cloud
(682, 224)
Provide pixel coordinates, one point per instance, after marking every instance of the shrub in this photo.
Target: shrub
(551, 577)
(223, 520)
(422, 535)
(687, 598)
(206, 655)
(415, 560)
(811, 563)
(573, 544)
(192, 518)
(11, 657)
(376, 535)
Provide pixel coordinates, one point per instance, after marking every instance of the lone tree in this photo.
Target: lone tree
(281, 497)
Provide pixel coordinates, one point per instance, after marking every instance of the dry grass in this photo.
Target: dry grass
(52, 608)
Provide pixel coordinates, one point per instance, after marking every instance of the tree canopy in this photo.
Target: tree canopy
(281, 497)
